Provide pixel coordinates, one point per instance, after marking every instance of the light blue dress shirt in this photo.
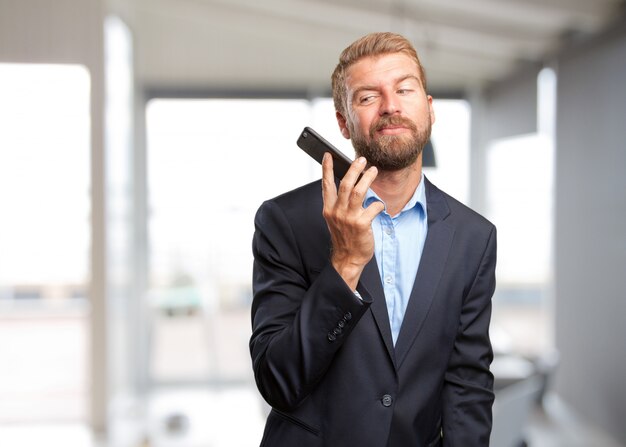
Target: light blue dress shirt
(398, 245)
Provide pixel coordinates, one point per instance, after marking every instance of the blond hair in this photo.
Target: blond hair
(374, 44)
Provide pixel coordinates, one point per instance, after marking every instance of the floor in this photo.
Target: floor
(234, 418)
(555, 425)
(37, 381)
(174, 418)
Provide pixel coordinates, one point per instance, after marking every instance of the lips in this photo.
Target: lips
(391, 125)
(391, 128)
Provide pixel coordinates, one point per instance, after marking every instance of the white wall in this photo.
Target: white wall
(591, 231)
(590, 215)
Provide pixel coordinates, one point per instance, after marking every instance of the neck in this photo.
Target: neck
(396, 188)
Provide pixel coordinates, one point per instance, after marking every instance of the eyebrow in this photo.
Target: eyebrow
(396, 82)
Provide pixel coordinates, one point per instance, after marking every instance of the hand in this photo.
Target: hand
(350, 224)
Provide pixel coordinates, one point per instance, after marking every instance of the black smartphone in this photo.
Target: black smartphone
(315, 145)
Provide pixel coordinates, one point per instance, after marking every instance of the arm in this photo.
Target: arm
(292, 319)
(298, 327)
(468, 384)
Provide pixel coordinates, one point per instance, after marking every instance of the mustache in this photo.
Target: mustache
(391, 120)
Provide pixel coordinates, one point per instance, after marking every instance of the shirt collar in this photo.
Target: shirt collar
(417, 200)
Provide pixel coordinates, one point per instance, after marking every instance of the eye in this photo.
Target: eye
(366, 99)
(405, 91)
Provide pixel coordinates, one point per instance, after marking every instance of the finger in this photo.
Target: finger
(346, 186)
(360, 189)
(356, 168)
(373, 210)
(366, 179)
(329, 189)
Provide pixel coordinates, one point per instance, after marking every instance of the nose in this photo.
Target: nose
(389, 104)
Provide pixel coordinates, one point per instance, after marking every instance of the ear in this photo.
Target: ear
(431, 110)
(343, 126)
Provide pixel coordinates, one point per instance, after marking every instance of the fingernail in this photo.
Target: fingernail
(361, 160)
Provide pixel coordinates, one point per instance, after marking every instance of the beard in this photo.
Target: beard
(391, 152)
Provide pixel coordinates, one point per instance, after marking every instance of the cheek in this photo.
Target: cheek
(421, 113)
(354, 124)
(365, 121)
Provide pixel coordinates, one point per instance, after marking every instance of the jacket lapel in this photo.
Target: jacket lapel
(431, 268)
(370, 280)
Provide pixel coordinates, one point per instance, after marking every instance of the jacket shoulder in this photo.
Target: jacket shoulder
(309, 191)
(455, 212)
(300, 203)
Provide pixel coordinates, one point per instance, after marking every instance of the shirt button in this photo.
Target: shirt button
(388, 231)
(388, 280)
(387, 400)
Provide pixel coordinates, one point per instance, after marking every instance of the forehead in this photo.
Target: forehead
(381, 69)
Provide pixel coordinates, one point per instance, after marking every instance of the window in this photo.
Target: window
(520, 201)
(210, 165)
(44, 241)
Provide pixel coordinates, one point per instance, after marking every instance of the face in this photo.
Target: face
(388, 113)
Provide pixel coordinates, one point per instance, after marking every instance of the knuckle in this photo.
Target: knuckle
(363, 225)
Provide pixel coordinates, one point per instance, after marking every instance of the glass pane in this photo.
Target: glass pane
(520, 201)
(522, 211)
(44, 242)
(210, 165)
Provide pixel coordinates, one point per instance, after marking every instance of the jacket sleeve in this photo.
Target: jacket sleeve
(468, 383)
(297, 325)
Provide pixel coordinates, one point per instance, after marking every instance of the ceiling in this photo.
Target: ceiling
(293, 45)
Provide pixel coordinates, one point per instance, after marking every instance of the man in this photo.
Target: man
(372, 299)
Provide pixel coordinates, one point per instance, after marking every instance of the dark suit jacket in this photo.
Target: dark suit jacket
(324, 360)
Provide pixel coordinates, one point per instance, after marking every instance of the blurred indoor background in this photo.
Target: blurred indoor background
(138, 138)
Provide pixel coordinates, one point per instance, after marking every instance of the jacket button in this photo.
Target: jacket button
(331, 336)
(347, 316)
(387, 400)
